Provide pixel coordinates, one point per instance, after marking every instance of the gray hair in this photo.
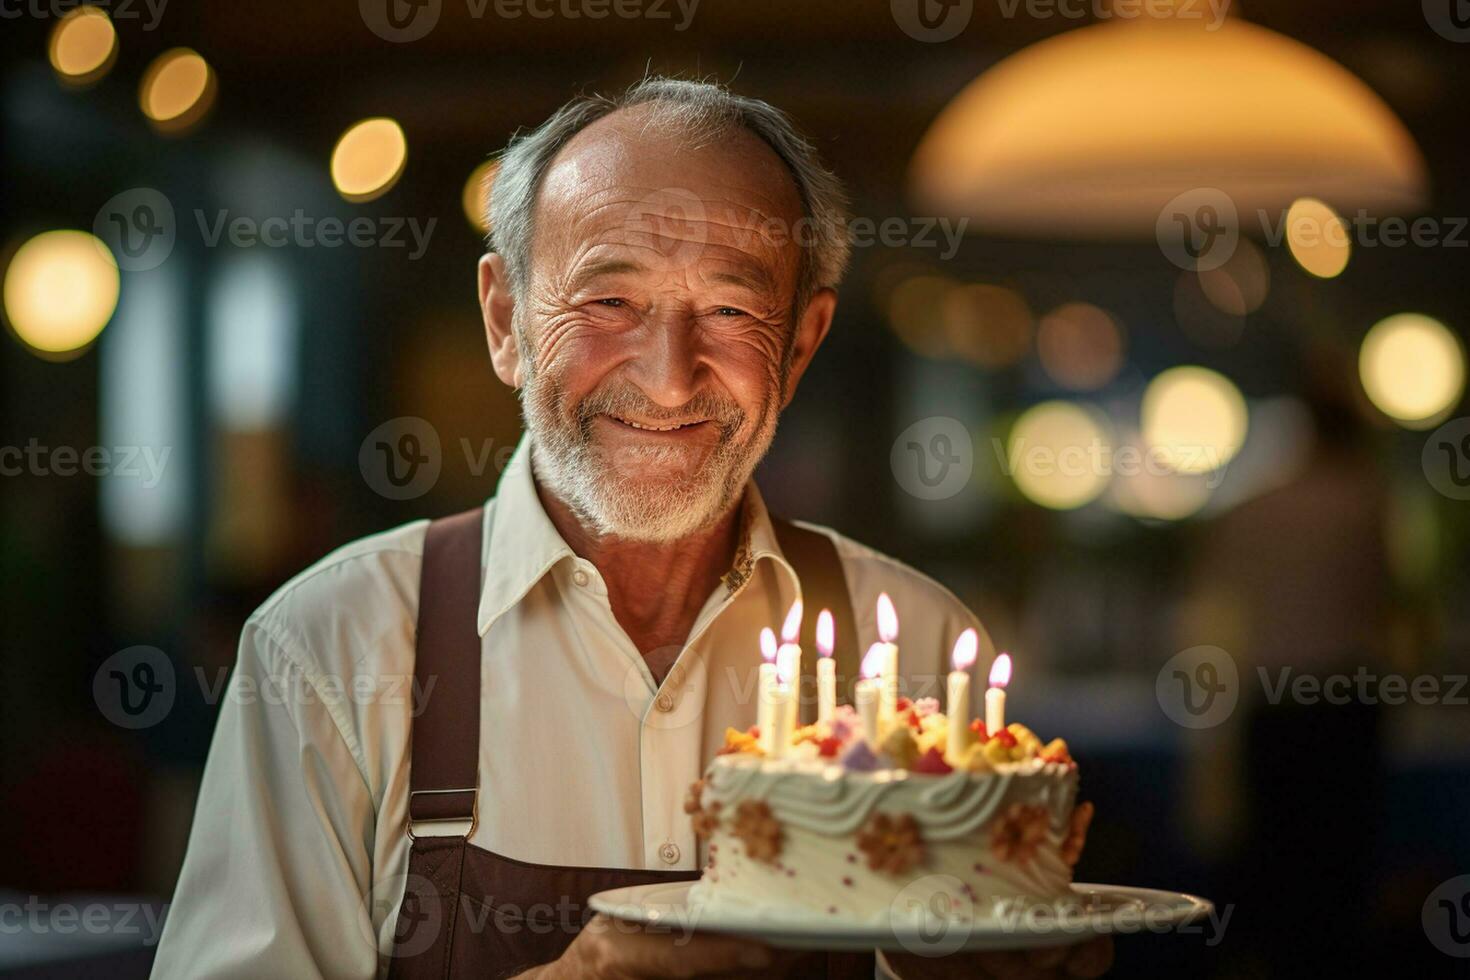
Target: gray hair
(701, 111)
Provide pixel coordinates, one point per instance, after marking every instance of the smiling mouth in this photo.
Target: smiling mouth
(658, 426)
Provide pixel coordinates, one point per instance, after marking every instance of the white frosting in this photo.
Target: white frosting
(821, 808)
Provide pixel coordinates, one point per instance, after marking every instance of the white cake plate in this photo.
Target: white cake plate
(1097, 909)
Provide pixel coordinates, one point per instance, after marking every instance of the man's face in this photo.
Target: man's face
(656, 327)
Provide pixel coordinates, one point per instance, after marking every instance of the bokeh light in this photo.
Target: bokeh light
(1319, 240)
(83, 45)
(1412, 368)
(369, 158)
(1059, 455)
(1080, 346)
(916, 313)
(1195, 419)
(61, 289)
(476, 197)
(987, 325)
(1239, 285)
(177, 90)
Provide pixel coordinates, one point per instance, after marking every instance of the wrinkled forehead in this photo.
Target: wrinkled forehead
(620, 184)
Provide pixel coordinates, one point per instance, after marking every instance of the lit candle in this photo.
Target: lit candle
(766, 688)
(995, 697)
(887, 634)
(783, 714)
(826, 669)
(868, 692)
(958, 700)
(791, 651)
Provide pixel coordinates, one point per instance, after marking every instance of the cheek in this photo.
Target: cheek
(580, 360)
(751, 374)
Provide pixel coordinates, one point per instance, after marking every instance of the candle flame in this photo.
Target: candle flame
(786, 660)
(873, 661)
(768, 645)
(1000, 671)
(826, 633)
(791, 629)
(887, 619)
(964, 651)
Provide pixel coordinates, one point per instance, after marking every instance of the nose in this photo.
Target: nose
(667, 367)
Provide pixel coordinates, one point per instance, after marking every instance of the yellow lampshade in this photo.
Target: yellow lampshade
(1091, 133)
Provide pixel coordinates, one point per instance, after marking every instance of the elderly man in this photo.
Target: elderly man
(663, 271)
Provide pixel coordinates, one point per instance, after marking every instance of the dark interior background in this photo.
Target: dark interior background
(1323, 830)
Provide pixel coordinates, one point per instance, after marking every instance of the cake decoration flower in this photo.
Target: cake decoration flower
(860, 757)
(746, 742)
(707, 820)
(693, 802)
(900, 746)
(891, 842)
(758, 829)
(1018, 833)
(1056, 751)
(932, 762)
(1077, 833)
(926, 707)
(975, 760)
(704, 819)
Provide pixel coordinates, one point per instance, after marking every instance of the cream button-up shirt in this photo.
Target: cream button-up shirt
(298, 855)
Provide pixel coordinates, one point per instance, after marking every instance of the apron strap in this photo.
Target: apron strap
(443, 774)
(444, 764)
(823, 586)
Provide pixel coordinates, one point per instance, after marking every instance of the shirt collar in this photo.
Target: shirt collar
(520, 544)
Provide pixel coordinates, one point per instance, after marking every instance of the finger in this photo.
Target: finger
(1091, 959)
(1048, 957)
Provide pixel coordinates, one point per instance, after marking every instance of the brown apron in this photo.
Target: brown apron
(467, 911)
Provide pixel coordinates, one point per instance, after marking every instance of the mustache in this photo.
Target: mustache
(625, 398)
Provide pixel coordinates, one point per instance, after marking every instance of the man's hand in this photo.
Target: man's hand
(1085, 961)
(608, 950)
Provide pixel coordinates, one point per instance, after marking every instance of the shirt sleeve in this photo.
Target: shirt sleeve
(277, 877)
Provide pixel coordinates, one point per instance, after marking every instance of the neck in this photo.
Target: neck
(656, 588)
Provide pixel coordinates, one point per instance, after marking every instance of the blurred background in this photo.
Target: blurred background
(1152, 350)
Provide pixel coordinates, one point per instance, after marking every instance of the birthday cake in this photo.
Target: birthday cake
(903, 821)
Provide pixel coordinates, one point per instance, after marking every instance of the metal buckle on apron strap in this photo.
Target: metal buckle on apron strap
(437, 812)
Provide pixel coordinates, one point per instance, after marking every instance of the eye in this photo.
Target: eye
(613, 302)
(729, 311)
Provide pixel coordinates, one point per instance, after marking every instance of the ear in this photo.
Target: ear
(811, 330)
(498, 309)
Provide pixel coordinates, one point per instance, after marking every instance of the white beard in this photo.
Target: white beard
(621, 497)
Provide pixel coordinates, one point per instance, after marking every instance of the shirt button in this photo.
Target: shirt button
(664, 702)
(669, 853)
(581, 577)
